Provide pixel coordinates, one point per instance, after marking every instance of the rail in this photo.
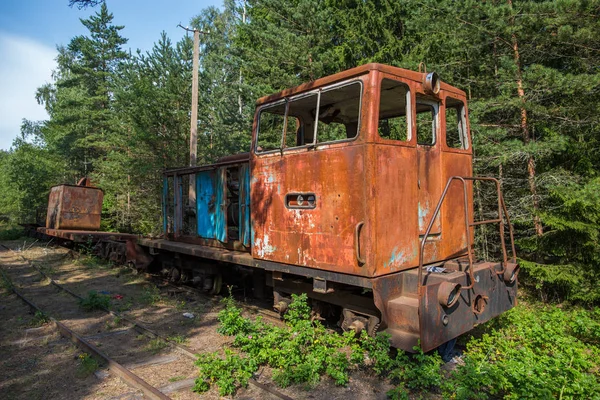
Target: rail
(502, 212)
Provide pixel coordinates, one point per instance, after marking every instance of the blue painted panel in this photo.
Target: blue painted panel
(206, 204)
(165, 200)
(177, 197)
(245, 227)
(221, 209)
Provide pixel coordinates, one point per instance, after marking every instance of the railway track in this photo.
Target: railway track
(127, 351)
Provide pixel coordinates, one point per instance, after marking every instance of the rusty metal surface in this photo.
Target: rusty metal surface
(74, 207)
(410, 318)
(245, 259)
(85, 236)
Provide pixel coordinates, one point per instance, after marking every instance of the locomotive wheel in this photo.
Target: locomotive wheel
(217, 284)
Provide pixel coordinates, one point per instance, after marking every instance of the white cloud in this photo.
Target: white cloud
(25, 65)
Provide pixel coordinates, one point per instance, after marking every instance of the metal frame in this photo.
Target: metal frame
(501, 210)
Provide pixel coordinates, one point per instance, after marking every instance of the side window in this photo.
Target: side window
(427, 112)
(300, 120)
(270, 128)
(336, 112)
(394, 111)
(456, 124)
(339, 113)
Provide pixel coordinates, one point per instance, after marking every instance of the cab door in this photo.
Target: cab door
(428, 163)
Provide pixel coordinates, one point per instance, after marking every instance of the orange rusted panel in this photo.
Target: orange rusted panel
(74, 207)
(322, 237)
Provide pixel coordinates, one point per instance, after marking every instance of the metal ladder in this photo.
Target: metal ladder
(501, 212)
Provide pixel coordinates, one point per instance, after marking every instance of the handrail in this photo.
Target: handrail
(502, 211)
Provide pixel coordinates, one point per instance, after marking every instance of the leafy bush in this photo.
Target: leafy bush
(95, 301)
(227, 373)
(529, 352)
(540, 352)
(301, 352)
(11, 233)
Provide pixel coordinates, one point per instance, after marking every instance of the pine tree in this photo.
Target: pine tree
(82, 122)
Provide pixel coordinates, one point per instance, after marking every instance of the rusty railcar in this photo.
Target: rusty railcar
(357, 190)
(75, 207)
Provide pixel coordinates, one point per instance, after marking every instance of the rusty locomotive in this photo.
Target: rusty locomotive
(357, 190)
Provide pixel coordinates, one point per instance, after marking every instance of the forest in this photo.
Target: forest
(531, 70)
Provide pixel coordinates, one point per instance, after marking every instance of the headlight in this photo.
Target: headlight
(448, 293)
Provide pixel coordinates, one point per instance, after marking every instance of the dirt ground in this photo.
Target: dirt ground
(39, 364)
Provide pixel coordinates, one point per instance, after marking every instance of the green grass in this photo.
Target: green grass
(534, 351)
(156, 345)
(179, 339)
(176, 378)
(151, 295)
(95, 301)
(114, 324)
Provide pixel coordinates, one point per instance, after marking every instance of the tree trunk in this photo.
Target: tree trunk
(527, 137)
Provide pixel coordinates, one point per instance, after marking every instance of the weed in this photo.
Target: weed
(90, 261)
(180, 305)
(115, 323)
(95, 301)
(176, 378)
(140, 337)
(125, 306)
(11, 233)
(528, 352)
(151, 295)
(300, 352)
(156, 345)
(39, 319)
(227, 373)
(87, 365)
(48, 270)
(179, 339)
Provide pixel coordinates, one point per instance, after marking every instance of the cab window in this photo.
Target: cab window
(394, 111)
(427, 121)
(339, 113)
(270, 127)
(456, 124)
(335, 111)
(300, 120)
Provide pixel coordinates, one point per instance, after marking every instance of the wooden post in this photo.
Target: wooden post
(194, 119)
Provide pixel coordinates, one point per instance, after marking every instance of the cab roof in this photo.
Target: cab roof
(352, 73)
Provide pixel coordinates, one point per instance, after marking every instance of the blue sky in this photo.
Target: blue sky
(30, 30)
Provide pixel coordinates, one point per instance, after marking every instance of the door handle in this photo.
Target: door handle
(357, 231)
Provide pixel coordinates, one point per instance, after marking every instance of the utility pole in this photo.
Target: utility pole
(240, 105)
(194, 116)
